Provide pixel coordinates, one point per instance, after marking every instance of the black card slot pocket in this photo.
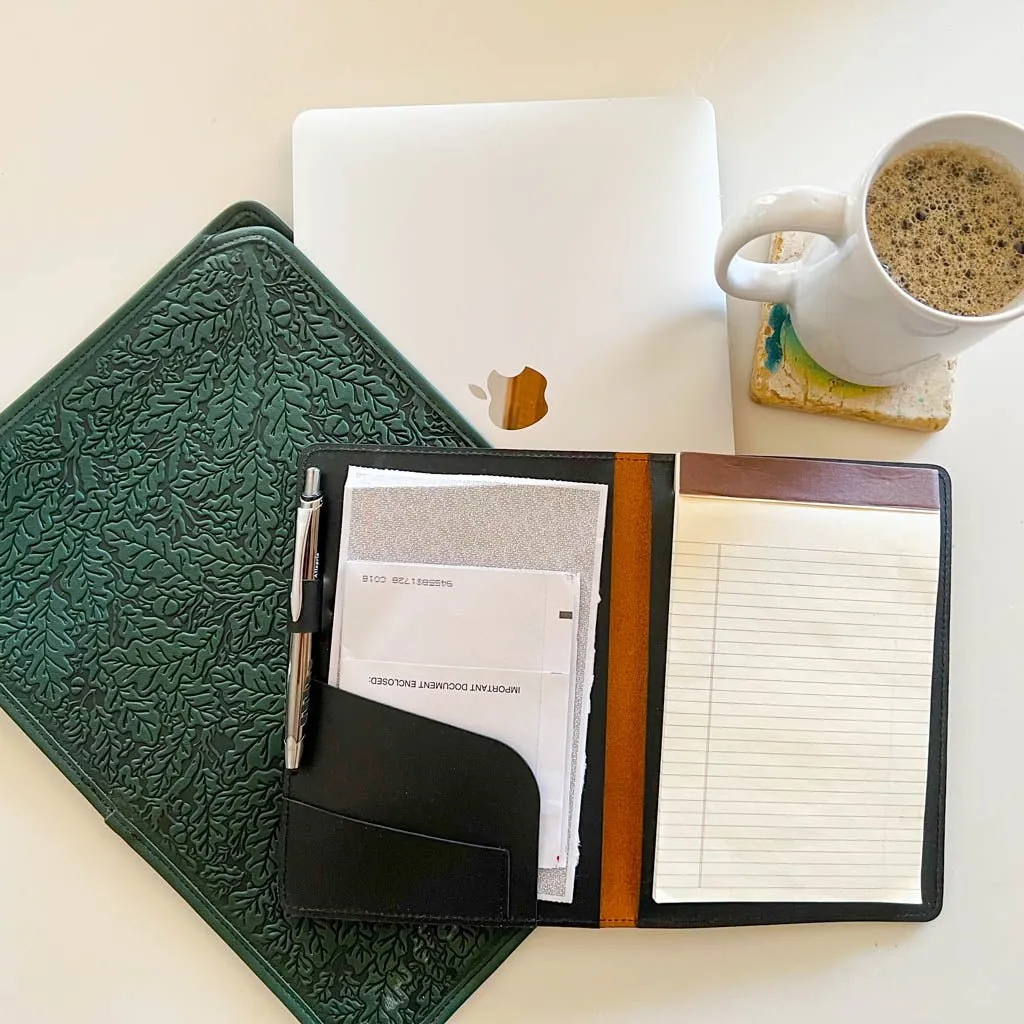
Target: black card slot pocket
(371, 871)
(376, 764)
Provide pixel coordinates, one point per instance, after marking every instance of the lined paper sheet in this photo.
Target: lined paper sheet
(797, 703)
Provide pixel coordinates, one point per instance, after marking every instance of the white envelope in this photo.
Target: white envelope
(487, 650)
(458, 615)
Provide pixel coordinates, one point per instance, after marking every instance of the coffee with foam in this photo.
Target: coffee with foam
(947, 223)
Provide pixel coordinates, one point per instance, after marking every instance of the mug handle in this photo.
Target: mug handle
(817, 211)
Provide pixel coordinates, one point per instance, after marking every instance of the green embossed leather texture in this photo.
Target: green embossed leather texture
(146, 519)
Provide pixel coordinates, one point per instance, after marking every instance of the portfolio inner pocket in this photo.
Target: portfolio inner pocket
(434, 789)
(362, 869)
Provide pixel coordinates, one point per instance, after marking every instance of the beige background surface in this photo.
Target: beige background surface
(125, 126)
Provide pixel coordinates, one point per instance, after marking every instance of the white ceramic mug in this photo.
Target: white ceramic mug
(850, 316)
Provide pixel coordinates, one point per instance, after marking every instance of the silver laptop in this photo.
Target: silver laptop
(546, 265)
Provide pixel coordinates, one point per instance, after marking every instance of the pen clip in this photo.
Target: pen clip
(303, 536)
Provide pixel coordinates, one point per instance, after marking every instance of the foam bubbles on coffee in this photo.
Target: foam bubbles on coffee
(947, 223)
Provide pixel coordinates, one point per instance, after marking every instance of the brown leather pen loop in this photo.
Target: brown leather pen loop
(629, 628)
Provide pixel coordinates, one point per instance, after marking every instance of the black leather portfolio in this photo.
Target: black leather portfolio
(765, 737)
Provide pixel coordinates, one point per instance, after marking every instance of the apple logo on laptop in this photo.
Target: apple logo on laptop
(515, 402)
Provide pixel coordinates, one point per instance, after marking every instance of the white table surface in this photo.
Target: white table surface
(127, 125)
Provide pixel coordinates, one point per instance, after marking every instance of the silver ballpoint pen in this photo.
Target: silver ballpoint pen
(300, 654)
